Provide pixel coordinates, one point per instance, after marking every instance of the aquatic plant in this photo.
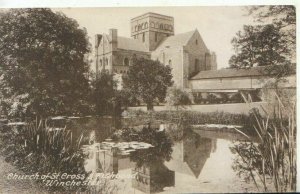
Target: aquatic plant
(36, 148)
(274, 156)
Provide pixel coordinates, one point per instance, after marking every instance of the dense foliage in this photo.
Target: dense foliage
(104, 89)
(271, 43)
(258, 46)
(162, 143)
(148, 80)
(178, 98)
(43, 70)
(36, 149)
(281, 16)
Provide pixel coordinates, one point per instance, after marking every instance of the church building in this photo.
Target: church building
(193, 65)
(153, 37)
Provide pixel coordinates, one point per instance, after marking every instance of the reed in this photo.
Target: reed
(36, 149)
(276, 149)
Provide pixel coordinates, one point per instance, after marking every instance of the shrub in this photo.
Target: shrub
(178, 98)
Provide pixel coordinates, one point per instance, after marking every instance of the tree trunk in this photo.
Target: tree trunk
(149, 106)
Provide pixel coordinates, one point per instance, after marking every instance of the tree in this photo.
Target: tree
(160, 140)
(148, 80)
(258, 46)
(42, 62)
(177, 97)
(272, 43)
(104, 89)
(283, 17)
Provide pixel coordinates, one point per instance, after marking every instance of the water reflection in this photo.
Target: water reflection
(153, 177)
(201, 161)
(191, 153)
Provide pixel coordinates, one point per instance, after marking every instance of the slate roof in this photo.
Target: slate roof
(177, 40)
(131, 44)
(222, 73)
(225, 73)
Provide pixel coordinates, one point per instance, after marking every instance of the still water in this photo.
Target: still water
(198, 161)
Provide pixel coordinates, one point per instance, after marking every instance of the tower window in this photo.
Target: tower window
(143, 36)
(170, 62)
(100, 63)
(152, 25)
(157, 25)
(126, 61)
(155, 36)
(140, 26)
(146, 25)
(106, 61)
(136, 28)
(196, 42)
(161, 26)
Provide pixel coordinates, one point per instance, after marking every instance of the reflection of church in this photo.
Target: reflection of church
(153, 178)
(190, 155)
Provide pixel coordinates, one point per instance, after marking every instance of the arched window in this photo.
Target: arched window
(143, 36)
(126, 61)
(140, 26)
(161, 26)
(146, 25)
(143, 26)
(170, 63)
(136, 28)
(196, 65)
(152, 25)
(166, 27)
(157, 25)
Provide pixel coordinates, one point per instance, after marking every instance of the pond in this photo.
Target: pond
(178, 160)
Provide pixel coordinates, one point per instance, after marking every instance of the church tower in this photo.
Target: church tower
(152, 28)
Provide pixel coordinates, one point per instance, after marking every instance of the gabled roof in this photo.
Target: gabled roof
(177, 40)
(131, 44)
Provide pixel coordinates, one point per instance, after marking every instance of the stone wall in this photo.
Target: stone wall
(153, 27)
(119, 57)
(174, 58)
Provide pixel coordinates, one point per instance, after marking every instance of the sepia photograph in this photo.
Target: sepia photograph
(148, 99)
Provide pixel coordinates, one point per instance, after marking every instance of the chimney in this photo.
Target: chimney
(113, 35)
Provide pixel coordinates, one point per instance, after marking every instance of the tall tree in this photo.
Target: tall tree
(104, 92)
(258, 46)
(148, 81)
(42, 62)
(272, 43)
(281, 16)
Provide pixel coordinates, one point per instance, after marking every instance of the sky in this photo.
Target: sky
(217, 25)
